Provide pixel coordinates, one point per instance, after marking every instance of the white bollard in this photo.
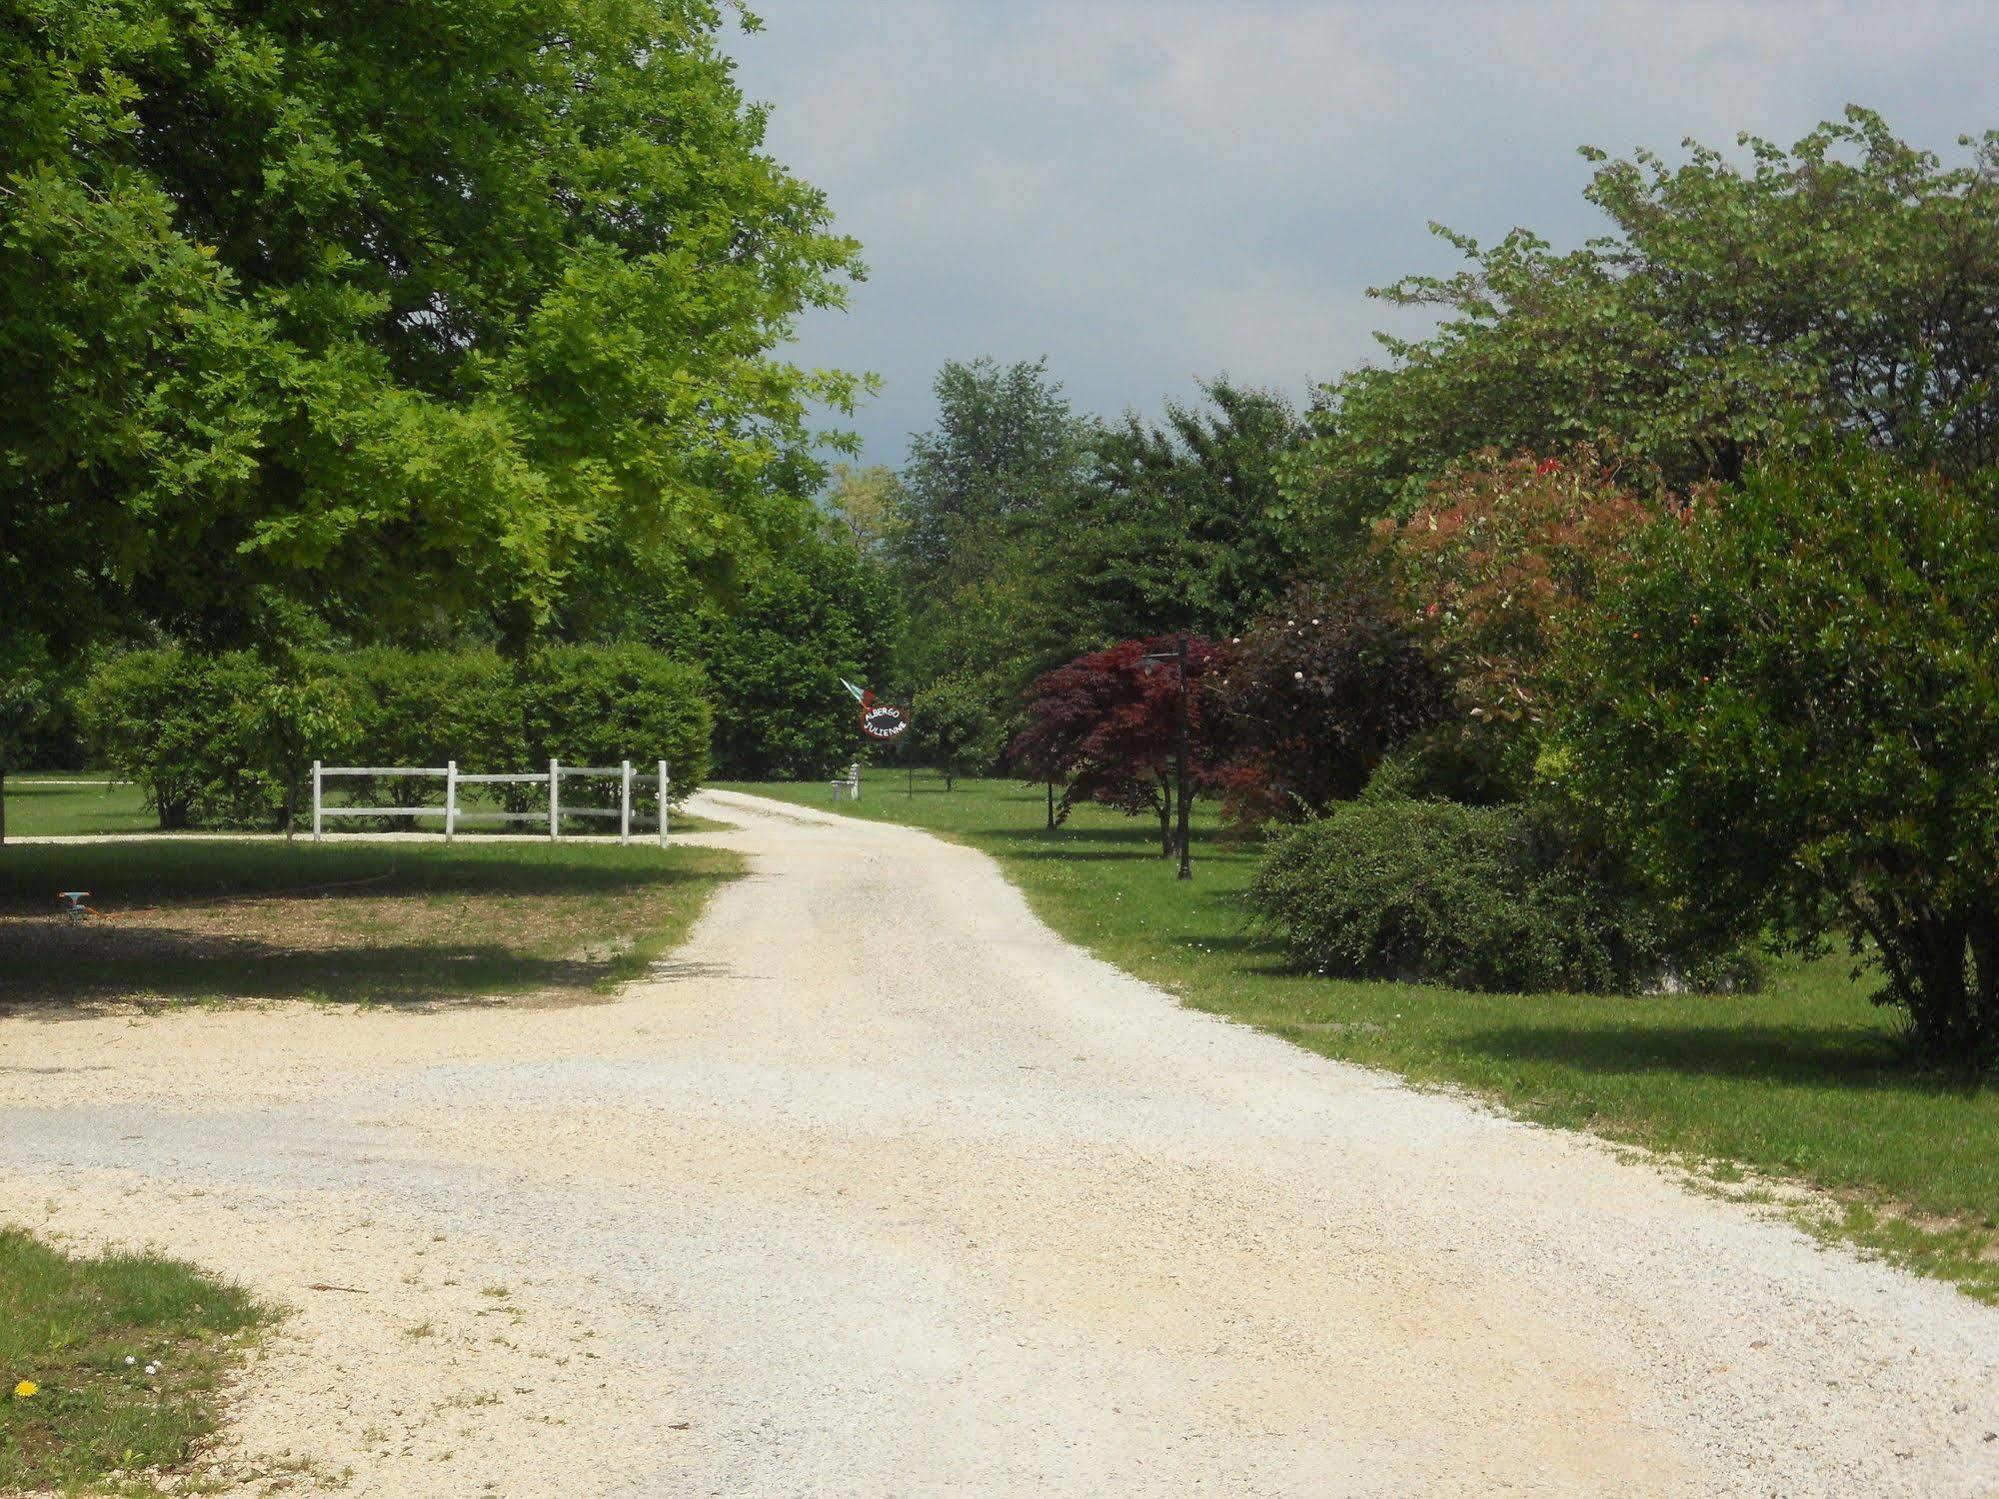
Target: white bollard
(625, 803)
(664, 786)
(315, 801)
(554, 796)
(450, 800)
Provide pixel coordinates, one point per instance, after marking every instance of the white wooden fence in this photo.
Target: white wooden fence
(453, 814)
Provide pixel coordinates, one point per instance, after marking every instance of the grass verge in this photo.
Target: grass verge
(78, 1411)
(354, 923)
(1803, 1083)
(54, 806)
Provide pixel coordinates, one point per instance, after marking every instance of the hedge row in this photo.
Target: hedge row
(228, 740)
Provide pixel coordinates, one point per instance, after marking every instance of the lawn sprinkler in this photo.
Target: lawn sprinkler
(76, 911)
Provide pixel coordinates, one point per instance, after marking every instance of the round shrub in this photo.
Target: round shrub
(1494, 898)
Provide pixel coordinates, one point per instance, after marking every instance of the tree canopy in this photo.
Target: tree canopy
(1788, 703)
(1847, 282)
(398, 308)
(1181, 524)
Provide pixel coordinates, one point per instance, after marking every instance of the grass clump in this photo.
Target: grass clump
(79, 1411)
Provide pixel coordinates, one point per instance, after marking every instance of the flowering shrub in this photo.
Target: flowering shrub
(1491, 570)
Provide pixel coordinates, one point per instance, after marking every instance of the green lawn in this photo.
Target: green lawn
(377, 923)
(1803, 1081)
(77, 1405)
(38, 807)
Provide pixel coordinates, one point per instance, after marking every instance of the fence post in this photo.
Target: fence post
(664, 783)
(450, 800)
(625, 802)
(315, 801)
(554, 796)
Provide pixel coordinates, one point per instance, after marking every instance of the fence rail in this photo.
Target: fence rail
(453, 814)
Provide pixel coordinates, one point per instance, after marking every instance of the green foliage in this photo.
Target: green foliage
(959, 728)
(423, 310)
(868, 508)
(1005, 449)
(1180, 525)
(428, 707)
(601, 704)
(1492, 898)
(228, 740)
(219, 741)
(775, 660)
(1847, 282)
(1790, 702)
(984, 488)
(27, 703)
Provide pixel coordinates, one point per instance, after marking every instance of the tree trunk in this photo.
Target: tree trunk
(1166, 820)
(1051, 808)
(3, 804)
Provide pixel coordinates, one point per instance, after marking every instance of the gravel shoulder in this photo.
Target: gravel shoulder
(879, 1187)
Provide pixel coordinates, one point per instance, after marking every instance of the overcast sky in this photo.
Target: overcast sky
(1153, 191)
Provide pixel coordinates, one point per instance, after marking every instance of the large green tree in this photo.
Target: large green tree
(775, 657)
(1181, 525)
(1847, 282)
(985, 490)
(1788, 703)
(403, 308)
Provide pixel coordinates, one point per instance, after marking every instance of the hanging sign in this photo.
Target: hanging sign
(878, 720)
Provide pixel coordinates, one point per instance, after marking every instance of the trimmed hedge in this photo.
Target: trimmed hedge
(227, 741)
(597, 705)
(1492, 898)
(214, 740)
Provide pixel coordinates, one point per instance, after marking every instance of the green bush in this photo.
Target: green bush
(1496, 898)
(775, 663)
(429, 708)
(228, 740)
(959, 726)
(1789, 706)
(600, 704)
(214, 740)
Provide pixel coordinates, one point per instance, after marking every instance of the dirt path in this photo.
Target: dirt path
(882, 1189)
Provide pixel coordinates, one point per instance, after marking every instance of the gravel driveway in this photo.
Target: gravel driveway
(880, 1188)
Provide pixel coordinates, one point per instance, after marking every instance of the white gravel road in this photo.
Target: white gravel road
(881, 1189)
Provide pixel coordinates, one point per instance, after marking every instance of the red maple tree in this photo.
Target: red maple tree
(1106, 727)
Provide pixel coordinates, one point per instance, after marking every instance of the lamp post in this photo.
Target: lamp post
(1178, 655)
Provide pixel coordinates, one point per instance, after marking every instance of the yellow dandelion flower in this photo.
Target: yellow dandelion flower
(26, 1388)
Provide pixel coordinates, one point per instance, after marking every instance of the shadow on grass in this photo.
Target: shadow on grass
(93, 967)
(130, 876)
(1136, 838)
(1788, 1055)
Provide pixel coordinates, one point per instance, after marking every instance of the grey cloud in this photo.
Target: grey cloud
(1150, 191)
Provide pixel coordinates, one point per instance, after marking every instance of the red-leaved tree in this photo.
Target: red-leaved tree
(1314, 694)
(1106, 727)
(1493, 569)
